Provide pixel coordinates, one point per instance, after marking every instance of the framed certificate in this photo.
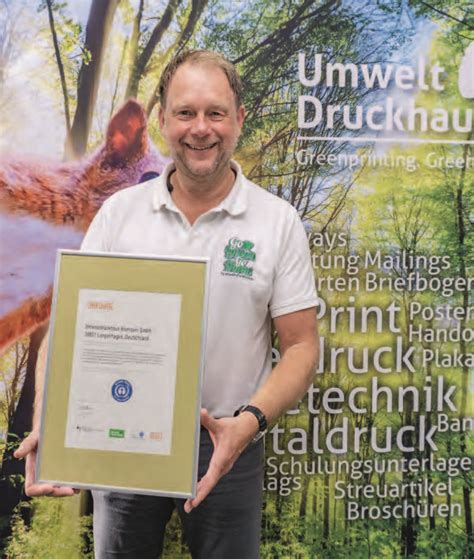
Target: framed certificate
(123, 382)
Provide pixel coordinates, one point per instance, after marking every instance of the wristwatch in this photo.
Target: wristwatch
(262, 420)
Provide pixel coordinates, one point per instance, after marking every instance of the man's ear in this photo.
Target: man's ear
(241, 115)
(161, 117)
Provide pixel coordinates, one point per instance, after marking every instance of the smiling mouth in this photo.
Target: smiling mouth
(200, 148)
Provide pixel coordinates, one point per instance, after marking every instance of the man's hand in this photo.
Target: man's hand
(28, 449)
(230, 436)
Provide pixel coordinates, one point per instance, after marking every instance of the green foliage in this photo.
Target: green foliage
(174, 546)
(441, 543)
(12, 375)
(54, 532)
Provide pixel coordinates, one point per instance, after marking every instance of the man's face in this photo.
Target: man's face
(201, 122)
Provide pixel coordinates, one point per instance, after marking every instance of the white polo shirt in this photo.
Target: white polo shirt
(260, 268)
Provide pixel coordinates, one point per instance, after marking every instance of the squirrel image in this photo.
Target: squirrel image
(46, 205)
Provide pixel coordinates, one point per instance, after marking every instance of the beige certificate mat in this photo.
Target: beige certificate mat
(122, 393)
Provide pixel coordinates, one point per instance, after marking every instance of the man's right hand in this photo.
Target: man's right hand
(28, 449)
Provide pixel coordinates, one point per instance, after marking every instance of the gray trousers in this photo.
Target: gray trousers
(226, 525)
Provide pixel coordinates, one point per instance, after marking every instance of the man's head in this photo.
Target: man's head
(201, 114)
(200, 56)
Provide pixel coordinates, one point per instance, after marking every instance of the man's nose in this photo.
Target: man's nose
(200, 126)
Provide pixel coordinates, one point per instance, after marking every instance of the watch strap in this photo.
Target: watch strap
(259, 415)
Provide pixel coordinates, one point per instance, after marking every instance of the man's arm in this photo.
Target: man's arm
(291, 377)
(29, 446)
(289, 380)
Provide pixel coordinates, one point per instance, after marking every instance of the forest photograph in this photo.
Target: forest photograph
(360, 115)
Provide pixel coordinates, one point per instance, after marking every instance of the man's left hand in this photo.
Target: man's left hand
(230, 436)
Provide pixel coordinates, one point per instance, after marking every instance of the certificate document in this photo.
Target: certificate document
(122, 395)
(124, 367)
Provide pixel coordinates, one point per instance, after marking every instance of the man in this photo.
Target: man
(203, 205)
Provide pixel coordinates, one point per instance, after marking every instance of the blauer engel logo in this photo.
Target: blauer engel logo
(122, 390)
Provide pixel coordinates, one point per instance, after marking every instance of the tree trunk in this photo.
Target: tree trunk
(304, 498)
(117, 79)
(97, 33)
(59, 62)
(141, 60)
(197, 7)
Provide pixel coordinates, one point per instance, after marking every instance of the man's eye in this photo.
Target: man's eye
(184, 113)
(217, 116)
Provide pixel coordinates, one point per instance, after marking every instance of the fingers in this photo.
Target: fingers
(207, 483)
(28, 445)
(46, 490)
(204, 487)
(32, 489)
(227, 447)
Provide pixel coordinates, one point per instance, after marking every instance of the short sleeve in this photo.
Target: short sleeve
(294, 286)
(96, 236)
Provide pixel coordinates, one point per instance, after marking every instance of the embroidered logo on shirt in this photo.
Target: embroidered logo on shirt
(239, 258)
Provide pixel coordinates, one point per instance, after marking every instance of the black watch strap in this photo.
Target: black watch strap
(257, 412)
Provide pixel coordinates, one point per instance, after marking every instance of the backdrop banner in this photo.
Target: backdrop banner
(360, 114)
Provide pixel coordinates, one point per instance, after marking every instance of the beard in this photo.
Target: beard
(209, 167)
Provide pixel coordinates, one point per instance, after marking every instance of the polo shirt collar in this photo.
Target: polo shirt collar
(235, 203)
